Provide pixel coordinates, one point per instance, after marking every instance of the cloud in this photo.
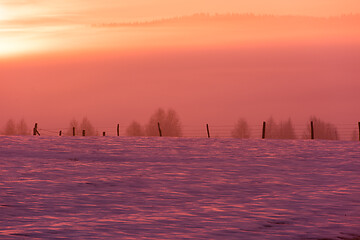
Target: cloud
(39, 21)
(221, 20)
(235, 28)
(19, 2)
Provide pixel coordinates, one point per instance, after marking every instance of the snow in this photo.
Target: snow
(178, 188)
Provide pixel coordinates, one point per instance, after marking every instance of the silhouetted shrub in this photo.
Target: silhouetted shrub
(271, 128)
(88, 127)
(355, 135)
(10, 128)
(73, 124)
(286, 130)
(135, 129)
(241, 129)
(22, 128)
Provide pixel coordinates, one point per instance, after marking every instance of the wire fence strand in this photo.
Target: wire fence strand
(346, 131)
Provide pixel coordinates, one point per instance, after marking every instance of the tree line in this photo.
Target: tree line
(286, 130)
(168, 120)
(169, 123)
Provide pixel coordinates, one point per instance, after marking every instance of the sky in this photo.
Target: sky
(29, 26)
(65, 59)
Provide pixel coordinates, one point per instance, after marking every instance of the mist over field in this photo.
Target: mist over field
(209, 68)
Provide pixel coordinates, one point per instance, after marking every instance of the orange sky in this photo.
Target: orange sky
(29, 26)
(60, 60)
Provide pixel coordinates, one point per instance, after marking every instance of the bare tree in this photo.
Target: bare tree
(84, 125)
(241, 129)
(271, 128)
(286, 130)
(13, 128)
(73, 124)
(10, 127)
(172, 125)
(322, 130)
(355, 135)
(88, 127)
(281, 130)
(135, 129)
(22, 128)
(169, 122)
(151, 128)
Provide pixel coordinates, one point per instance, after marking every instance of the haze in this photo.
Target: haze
(117, 61)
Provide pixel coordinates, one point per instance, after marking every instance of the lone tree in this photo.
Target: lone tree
(135, 129)
(169, 123)
(241, 129)
(322, 130)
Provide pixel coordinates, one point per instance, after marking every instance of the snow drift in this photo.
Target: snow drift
(178, 188)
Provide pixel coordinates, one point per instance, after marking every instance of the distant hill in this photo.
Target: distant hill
(209, 19)
(249, 27)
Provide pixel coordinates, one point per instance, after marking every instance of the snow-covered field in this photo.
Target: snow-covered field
(178, 188)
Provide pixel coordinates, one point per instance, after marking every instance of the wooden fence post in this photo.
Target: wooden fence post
(208, 130)
(263, 130)
(312, 129)
(160, 134)
(118, 130)
(74, 131)
(35, 130)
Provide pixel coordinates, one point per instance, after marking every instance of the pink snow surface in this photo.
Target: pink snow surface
(178, 188)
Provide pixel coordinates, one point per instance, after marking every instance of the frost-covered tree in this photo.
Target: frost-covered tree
(355, 135)
(88, 127)
(169, 122)
(281, 130)
(84, 125)
(10, 127)
(241, 129)
(271, 130)
(135, 129)
(322, 130)
(73, 124)
(22, 128)
(13, 128)
(151, 128)
(172, 125)
(286, 130)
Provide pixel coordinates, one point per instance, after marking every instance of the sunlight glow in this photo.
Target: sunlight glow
(9, 48)
(13, 46)
(56, 26)
(3, 14)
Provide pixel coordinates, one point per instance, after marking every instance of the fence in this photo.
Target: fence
(350, 131)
